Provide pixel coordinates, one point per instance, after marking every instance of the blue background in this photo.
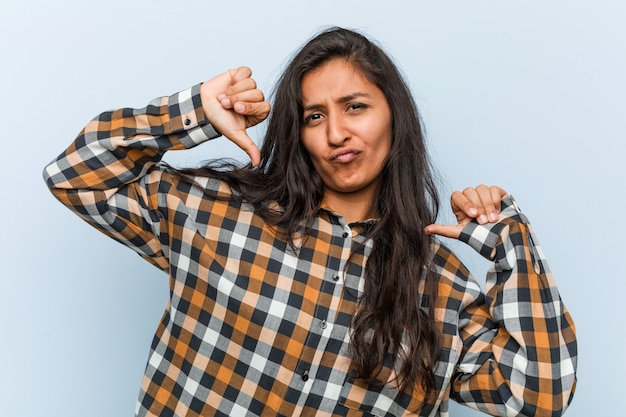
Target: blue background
(529, 95)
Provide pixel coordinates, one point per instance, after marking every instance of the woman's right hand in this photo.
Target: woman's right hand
(232, 102)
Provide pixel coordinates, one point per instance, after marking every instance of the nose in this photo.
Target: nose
(336, 129)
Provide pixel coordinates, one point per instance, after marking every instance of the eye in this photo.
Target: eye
(356, 106)
(312, 118)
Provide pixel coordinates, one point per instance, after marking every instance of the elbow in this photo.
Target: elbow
(51, 174)
(553, 404)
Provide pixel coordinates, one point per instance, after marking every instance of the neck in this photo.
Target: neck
(354, 207)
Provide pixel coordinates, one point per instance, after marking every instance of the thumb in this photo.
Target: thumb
(242, 140)
(446, 230)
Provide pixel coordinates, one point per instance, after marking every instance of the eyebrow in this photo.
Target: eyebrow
(344, 99)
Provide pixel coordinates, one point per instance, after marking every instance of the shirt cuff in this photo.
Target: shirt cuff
(484, 238)
(187, 115)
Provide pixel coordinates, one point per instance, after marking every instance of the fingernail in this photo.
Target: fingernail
(473, 211)
(221, 96)
(239, 107)
(482, 219)
(225, 102)
(493, 217)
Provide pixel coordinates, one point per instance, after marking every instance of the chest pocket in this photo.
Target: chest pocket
(386, 400)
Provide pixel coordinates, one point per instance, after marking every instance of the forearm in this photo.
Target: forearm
(102, 175)
(120, 146)
(533, 345)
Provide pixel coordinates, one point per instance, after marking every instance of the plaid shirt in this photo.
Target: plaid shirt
(254, 327)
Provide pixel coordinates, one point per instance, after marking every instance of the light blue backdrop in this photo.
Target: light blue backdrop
(529, 95)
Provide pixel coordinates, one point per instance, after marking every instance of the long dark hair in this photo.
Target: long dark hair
(395, 312)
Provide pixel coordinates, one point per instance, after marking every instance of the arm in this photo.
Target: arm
(519, 353)
(109, 174)
(103, 175)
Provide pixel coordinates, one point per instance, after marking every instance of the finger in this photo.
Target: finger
(227, 101)
(240, 73)
(248, 95)
(497, 194)
(465, 202)
(240, 81)
(490, 202)
(237, 80)
(222, 82)
(255, 112)
(252, 109)
(243, 141)
(241, 85)
(445, 230)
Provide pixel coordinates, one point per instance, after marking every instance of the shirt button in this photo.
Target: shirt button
(305, 376)
(345, 235)
(187, 122)
(323, 324)
(336, 277)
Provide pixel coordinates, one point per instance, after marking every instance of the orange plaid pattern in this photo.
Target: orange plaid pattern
(254, 327)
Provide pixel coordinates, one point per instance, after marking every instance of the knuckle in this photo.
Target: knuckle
(246, 84)
(468, 205)
(241, 72)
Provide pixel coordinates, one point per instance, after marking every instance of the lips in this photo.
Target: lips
(344, 155)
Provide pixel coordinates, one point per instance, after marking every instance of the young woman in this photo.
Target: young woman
(309, 282)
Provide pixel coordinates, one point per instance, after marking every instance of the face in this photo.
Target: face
(347, 129)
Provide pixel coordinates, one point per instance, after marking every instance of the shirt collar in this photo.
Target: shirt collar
(358, 227)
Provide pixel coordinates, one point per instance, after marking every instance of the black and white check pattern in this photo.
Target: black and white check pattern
(254, 327)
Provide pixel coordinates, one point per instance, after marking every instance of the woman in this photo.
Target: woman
(309, 282)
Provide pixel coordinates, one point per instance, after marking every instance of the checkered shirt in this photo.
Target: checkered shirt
(254, 327)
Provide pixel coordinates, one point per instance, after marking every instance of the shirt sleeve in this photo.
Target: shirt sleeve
(109, 174)
(519, 353)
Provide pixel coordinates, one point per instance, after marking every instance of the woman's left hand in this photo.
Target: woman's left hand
(481, 203)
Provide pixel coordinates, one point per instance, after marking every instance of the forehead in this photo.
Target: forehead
(335, 77)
